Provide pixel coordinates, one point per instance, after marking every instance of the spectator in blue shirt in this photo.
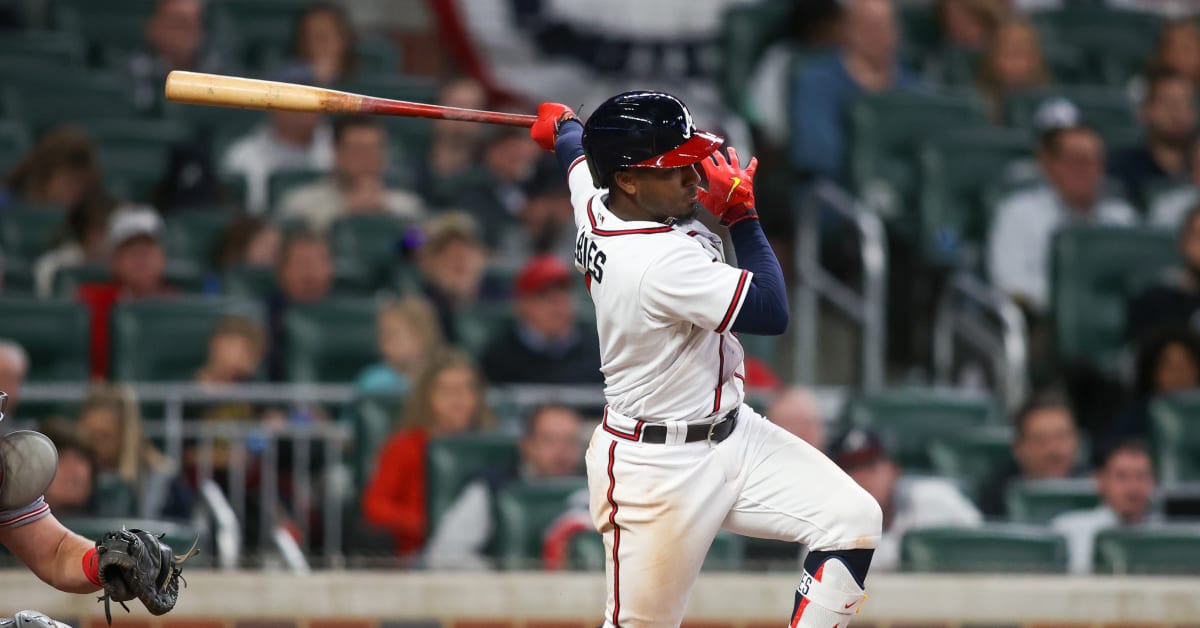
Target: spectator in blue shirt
(866, 64)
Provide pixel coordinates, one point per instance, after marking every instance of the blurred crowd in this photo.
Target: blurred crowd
(459, 237)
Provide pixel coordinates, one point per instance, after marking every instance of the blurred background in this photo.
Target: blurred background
(328, 343)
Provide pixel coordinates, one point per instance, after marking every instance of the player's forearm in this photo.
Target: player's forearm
(69, 575)
(569, 145)
(765, 310)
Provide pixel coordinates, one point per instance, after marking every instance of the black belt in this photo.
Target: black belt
(716, 431)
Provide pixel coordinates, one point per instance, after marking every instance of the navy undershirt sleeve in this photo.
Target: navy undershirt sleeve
(765, 310)
(569, 145)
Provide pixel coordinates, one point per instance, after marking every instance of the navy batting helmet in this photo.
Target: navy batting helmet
(643, 130)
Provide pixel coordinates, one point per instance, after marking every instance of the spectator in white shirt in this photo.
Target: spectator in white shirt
(356, 185)
(908, 503)
(1169, 209)
(1072, 160)
(289, 140)
(551, 448)
(1126, 485)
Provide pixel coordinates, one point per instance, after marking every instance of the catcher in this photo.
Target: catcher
(126, 564)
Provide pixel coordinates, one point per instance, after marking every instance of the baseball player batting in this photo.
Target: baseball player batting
(125, 564)
(678, 455)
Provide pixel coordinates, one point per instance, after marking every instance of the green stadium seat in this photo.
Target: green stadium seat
(114, 497)
(15, 141)
(120, 25)
(369, 241)
(195, 236)
(746, 32)
(261, 28)
(57, 47)
(885, 131)
(331, 341)
(54, 333)
(66, 282)
(1039, 501)
(585, 552)
(179, 535)
(136, 140)
(1095, 270)
(167, 339)
(907, 419)
(372, 417)
(480, 323)
(1107, 109)
(1161, 551)
(1114, 44)
(523, 511)
(995, 548)
(250, 282)
(451, 463)
(974, 457)
(44, 96)
(1175, 426)
(28, 231)
(955, 170)
(17, 278)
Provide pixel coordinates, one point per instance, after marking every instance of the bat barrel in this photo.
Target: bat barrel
(195, 88)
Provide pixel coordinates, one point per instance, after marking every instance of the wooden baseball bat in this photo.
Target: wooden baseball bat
(196, 88)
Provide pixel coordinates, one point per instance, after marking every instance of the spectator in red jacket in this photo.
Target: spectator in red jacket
(449, 399)
(138, 265)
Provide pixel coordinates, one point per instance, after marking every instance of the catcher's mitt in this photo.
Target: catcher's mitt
(137, 564)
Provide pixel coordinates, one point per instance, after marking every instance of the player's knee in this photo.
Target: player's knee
(859, 523)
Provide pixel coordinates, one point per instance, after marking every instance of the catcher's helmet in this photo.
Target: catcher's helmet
(643, 130)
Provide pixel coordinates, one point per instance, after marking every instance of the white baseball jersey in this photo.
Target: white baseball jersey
(665, 301)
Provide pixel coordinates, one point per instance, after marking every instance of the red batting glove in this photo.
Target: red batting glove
(545, 130)
(730, 193)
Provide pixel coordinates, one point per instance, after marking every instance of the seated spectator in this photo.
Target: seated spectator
(111, 424)
(546, 344)
(867, 64)
(1072, 159)
(82, 240)
(304, 275)
(137, 264)
(1177, 51)
(249, 241)
(510, 166)
(1174, 301)
(1168, 114)
(449, 398)
(14, 366)
(324, 40)
(1046, 447)
(908, 503)
(175, 40)
(545, 223)
(1169, 209)
(798, 411)
(454, 147)
(552, 447)
(60, 171)
(1012, 63)
(289, 140)
(356, 185)
(1168, 362)
(408, 335)
(235, 352)
(1126, 485)
(72, 492)
(451, 262)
